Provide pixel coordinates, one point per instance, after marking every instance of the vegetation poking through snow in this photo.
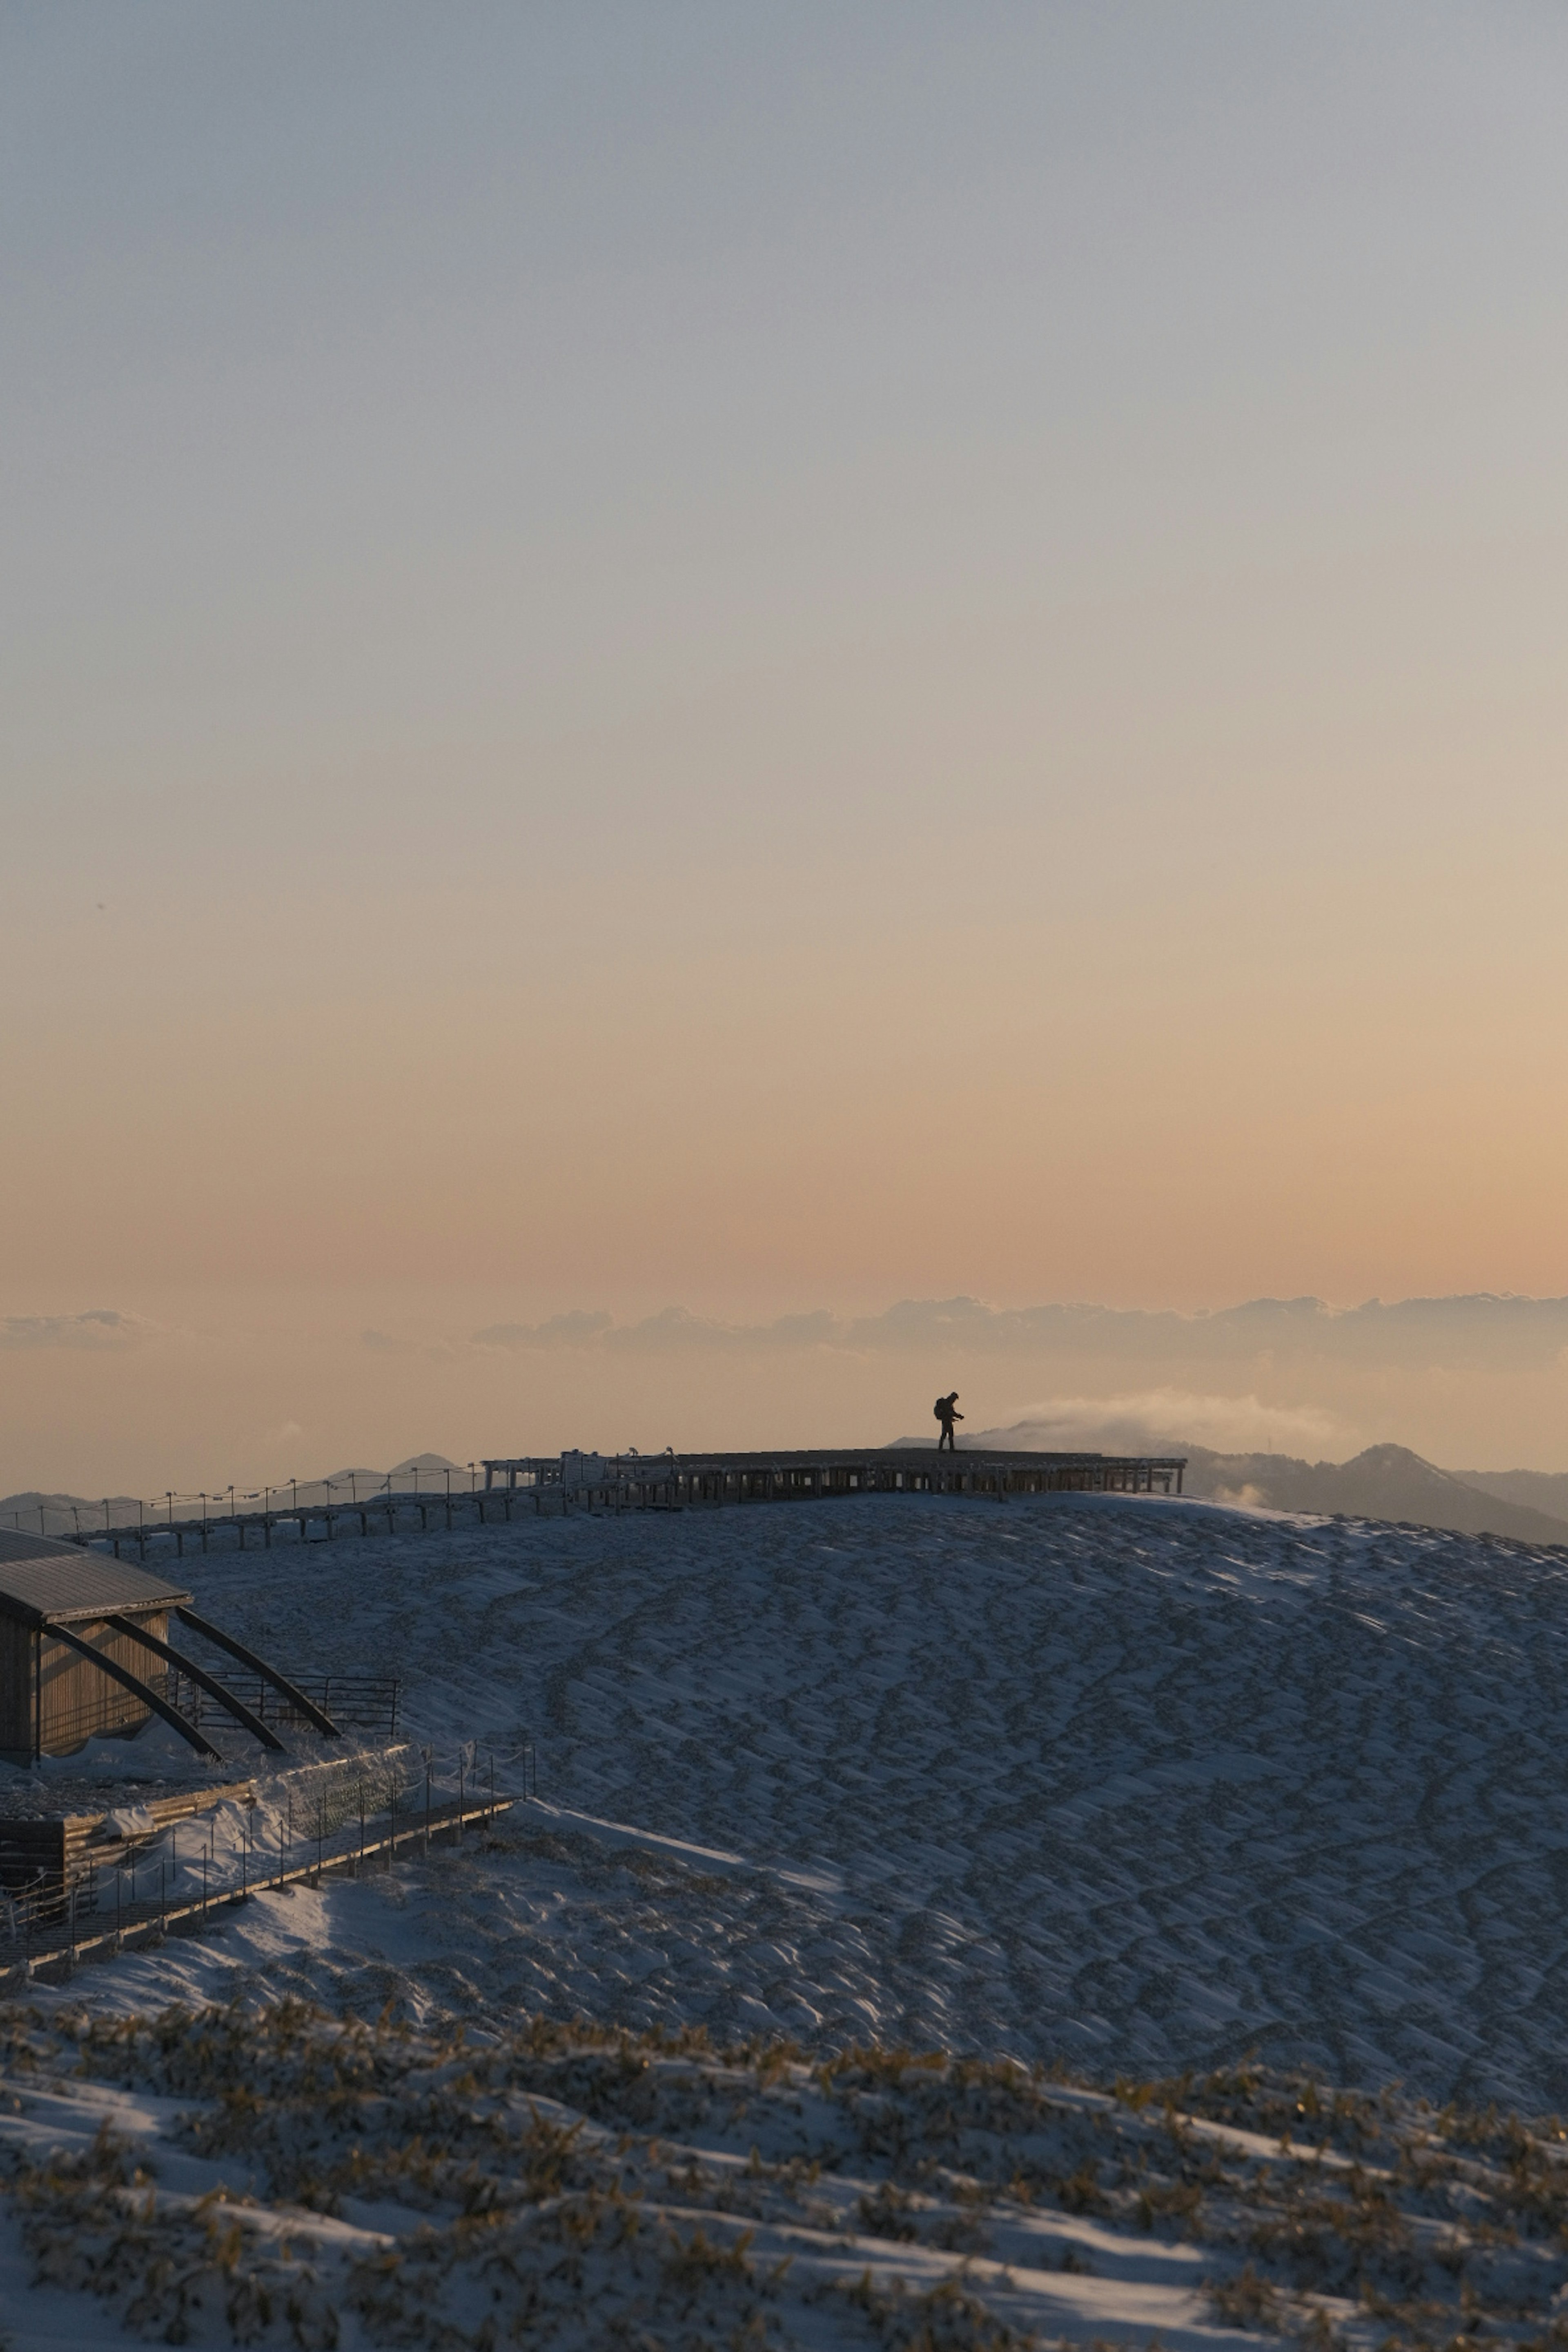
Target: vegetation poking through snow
(261, 2176)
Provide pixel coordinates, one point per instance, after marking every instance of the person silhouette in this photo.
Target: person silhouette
(947, 1413)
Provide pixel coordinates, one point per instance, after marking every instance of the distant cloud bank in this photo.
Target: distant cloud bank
(1228, 1425)
(100, 1327)
(1479, 1332)
(1463, 1332)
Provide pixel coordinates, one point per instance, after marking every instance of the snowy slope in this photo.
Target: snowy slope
(274, 2177)
(1132, 1784)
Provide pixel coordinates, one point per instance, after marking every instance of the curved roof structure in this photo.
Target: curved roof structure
(43, 1583)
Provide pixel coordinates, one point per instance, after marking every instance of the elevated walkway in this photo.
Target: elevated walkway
(571, 1481)
(672, 1482)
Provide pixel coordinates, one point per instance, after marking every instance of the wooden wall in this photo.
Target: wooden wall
(80, 1704)
(16, 1692)
(64, 1847)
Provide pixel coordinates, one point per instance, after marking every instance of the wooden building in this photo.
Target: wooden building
(85, 1649)
(57, 1602)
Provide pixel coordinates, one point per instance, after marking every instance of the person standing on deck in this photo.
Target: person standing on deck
(947, 1413)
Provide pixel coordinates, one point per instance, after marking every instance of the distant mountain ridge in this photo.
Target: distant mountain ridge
(1385, 1482)
(1535, 1490)
(66, 1515)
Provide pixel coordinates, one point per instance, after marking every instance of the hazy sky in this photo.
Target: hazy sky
(773, 658)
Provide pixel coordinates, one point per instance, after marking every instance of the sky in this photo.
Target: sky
(766, 661)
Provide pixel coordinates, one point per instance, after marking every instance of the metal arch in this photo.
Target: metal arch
(312, 1713)
(202, 1680)
(139, 1689)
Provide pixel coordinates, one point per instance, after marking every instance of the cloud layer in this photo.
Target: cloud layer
(1227, 1425)
(1482, 1328)
(110, 1401)
(100, 1327)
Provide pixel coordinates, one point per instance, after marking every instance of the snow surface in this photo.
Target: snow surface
(1130, 1785)
(1136, 1784)
(272, 2175)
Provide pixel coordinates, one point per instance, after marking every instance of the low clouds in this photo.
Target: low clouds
(562, 1332)
(1193, 1359)
(102, 1399)
(912, 1324)
(673, 1330)
(99, 1328)
(1454, 1333)
(440, 1351)
(1459, 1334)
(1226, 1425)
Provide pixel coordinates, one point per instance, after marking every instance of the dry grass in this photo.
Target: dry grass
(564, 2168)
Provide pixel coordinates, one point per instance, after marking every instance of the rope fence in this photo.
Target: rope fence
(207, 1506)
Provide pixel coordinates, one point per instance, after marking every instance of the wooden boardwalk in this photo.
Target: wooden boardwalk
(49, 1936)
(554, 1484)
(369, 1515)
(671, 1482)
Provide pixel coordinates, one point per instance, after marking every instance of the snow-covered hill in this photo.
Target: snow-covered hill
(1118, 1787)
(1134, 1784)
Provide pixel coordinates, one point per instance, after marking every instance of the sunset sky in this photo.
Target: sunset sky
(773, 660)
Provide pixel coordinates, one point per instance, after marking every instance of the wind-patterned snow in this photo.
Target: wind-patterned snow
(1140, 1785)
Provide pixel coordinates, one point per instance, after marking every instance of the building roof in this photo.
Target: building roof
(42, 1580)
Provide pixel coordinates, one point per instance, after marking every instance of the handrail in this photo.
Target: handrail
(296, 1698)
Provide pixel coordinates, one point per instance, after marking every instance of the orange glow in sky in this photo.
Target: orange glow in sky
(775, 662)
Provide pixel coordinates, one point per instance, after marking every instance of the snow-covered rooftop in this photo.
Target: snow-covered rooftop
(43, 1582)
